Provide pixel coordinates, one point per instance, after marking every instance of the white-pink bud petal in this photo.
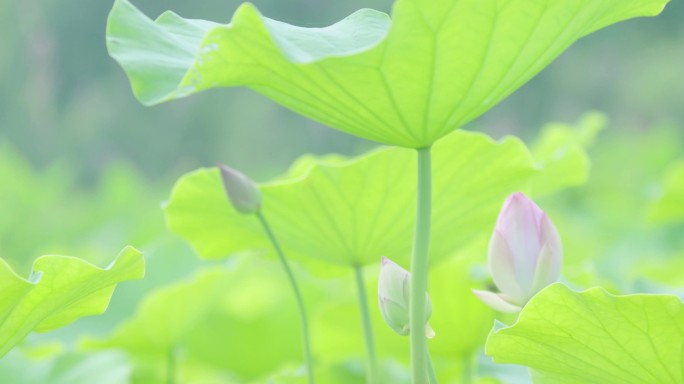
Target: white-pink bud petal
(525, 252)
(393, 298)
(501, 265)
(496, 301)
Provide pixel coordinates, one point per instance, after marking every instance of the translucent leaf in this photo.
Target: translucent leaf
(407, 81)
(60, 290)
(351, 213)
(595, 337)
(669, 206)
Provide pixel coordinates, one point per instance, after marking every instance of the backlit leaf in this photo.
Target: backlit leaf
(595, 337)
(408, 81)
(61, 289)
(353, 212)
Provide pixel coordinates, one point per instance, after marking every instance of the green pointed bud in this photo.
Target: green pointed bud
(393, 298)
(243, 193)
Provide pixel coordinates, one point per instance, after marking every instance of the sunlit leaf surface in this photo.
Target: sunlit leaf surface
(352, 212)
(594, 337)
(60, 290)
(408, 81)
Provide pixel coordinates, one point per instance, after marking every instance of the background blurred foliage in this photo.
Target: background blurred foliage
(84, 168)
(608, 226)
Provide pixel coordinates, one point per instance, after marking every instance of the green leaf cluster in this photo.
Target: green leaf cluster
(409, 81)
(236, 323)
(121, 208)
(233, 323)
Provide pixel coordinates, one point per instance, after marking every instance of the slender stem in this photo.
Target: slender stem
(300, 301)
(171, 366)
(431, 370)
(467, 370)
(372, 365)
(419, 269)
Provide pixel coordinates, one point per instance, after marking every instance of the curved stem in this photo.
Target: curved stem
(372, 365)
(300, 300)
(419, 269)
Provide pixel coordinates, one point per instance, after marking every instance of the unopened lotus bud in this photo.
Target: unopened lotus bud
(393, 298)
(243, 193)
(525, 254)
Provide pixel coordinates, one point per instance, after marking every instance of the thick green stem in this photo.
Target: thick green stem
(372, 365)
(419, 270)
(298, 294)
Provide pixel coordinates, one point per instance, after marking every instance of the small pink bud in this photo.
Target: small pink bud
(243, 193)
(393, 298)
(525, 254)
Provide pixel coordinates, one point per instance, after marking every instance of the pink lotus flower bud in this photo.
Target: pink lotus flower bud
(243, 193)
(525, 254)
(393, 297)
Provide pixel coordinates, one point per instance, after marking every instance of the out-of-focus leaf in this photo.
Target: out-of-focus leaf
(351, 213)
(71, 368)
(459, 318)
(593, 337)
(669, 206)
(407, 81)
(60, 290)
(561, 151)
(664, 269)
(233, 324)
(122, 209)
(344, 372)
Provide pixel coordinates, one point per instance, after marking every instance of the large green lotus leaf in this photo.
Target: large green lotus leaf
(61, 289)
(669, 206)
(567, 337)
(238, 321)
(407, 81)
(353, 212)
